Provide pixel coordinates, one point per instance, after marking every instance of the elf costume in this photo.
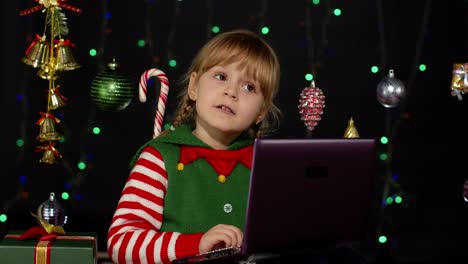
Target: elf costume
(178, 188)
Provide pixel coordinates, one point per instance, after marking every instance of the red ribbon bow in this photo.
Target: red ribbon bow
(60, 3)
(65, 42)
(37, 39)
(37, 232)
(48, 147)
(46, 115)
(57, 92)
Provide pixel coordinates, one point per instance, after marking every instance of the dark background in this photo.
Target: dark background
(427, 130)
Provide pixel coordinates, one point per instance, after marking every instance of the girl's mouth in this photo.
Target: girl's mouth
(226, 109)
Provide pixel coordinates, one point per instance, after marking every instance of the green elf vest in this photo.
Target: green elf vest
(205, 187)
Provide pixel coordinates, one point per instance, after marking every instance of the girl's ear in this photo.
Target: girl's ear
(260, 117)
(192, 88)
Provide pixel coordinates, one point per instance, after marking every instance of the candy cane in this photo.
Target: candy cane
(158, 119)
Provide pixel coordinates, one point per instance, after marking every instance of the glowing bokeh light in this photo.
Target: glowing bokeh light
(65, 196)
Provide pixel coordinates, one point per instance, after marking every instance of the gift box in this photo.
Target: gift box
(70, 248)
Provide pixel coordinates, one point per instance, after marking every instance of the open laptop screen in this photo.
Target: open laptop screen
(309, 192)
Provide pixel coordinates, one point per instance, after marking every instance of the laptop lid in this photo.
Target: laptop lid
(308, 193)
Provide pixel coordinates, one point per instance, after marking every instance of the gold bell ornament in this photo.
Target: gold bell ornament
(65, 60)
(47, 127)
(48, 71)
(50, 153)
(57, 100)
(37, 53)
(351, 131)
(459, 83)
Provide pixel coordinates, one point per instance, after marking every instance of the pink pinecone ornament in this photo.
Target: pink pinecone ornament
(311, 104)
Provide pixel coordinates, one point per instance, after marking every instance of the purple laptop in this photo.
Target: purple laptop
(305, 193)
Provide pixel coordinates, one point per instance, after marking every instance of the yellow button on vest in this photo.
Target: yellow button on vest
(221, 178)
(227, 208)
(180, 166)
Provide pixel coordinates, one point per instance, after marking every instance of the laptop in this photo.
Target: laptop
(304, 193)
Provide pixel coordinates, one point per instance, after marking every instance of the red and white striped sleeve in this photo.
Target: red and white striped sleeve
(134, 235)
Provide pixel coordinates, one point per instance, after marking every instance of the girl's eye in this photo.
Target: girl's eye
(249, 87)
(220, 76)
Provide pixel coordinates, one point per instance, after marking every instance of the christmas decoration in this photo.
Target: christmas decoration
(51, 53)
(47, 130)
(390, 91)
(351, 131)
(37, 53)
(50, 153)
(43, 248)
(311, 104)
(459, 84)
(163, 93)
(51, 212)
(46, 4)
(111, 89)
(57, 100)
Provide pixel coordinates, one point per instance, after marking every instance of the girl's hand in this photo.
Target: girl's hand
(220, 236)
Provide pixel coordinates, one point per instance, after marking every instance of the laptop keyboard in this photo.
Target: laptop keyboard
(210, 255)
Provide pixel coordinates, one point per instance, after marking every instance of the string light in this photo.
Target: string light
(337, 12)
(215, 29)
(19, 97)
(107, 15)
(141, 43)
(23, 178)
(422, 67)
(382, 239)
(65, 196)
(389, 200)
(398, 199)
(172, 63)
(384, 140)
(3, 218)
(92, 52)
(20, 143)
(81, 165)
(383, 156)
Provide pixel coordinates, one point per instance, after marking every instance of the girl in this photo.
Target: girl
(187, 191)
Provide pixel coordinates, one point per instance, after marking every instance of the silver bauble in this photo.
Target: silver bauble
(52, 211)
(390, 91)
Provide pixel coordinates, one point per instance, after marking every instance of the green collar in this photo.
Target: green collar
(183, 135)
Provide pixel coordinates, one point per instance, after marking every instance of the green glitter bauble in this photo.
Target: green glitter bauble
(112, 90)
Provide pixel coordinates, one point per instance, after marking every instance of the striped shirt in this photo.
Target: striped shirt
(134, 235)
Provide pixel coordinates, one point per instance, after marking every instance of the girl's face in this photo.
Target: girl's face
(228, 101)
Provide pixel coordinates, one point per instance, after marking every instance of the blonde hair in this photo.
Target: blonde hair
(255, 55)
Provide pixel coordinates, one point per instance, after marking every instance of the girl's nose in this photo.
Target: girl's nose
(231, 91)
